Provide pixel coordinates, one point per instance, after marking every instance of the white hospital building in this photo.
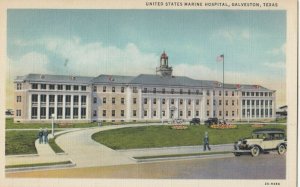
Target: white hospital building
(137, 98)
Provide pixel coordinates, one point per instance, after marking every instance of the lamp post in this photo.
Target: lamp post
(53, 116)
(248, 114)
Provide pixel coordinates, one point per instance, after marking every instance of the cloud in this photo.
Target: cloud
(275, 65)
(278, 50)
(232, 34)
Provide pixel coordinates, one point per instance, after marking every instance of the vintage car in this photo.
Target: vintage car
(262, 140)
(211, 121)
(195, 121)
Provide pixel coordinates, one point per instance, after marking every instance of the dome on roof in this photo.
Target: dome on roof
(164, 55)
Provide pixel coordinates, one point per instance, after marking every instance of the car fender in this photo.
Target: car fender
(282, 143)
(251, 146)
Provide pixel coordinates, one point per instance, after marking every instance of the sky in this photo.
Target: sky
(130, 42)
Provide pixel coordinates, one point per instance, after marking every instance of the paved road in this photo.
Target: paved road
(269, 166)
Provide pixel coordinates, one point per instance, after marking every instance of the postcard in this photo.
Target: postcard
(149, 93)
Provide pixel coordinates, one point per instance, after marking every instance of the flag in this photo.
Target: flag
(110, 78)
(66, 62)
(220, 58)
(238, 86)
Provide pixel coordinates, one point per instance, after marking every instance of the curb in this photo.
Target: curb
(27, 155)
(227, 155)
(10, 170)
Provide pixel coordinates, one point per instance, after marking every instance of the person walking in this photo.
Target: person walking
(45, 135)
(206, 142)
(40, 135)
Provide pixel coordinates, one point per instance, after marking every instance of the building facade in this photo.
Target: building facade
(160, 96)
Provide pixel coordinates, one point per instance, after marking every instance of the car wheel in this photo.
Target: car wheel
(281, 149)
(237, 154)
(255, 151)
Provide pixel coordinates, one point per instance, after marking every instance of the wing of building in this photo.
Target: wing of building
(145, 97)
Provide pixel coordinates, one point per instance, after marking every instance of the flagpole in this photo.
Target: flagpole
(223, 86)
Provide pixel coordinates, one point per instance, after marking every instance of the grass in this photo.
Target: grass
(39, 164)
(54, 146)
(20, 142)
(182, 155)
(164, 136)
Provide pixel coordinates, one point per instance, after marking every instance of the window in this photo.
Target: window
(270, 94)
(163, 101)
(252, 102)
(19, 99)
(232, 93)
(248, 94)
(243, 93)
(266, 112)
(226, 113)
(104, 89)
(214, 113)
(51, 87)
(262, 102)
(189, 101)
(43, 98)
(75, 99)
(122, 89)
(271, 112)
(154, 113)
(113, 113)
(180, 113)
(257, 102)
(18, 112)
(226, 93)
(207, 92)
(75, 87)
(181, 101)
(226, 102)
(220, 102)
(104, 113)
(207, 113)
(145, 112)
(83, 88)
(113, 89)
(172, 101)
(68, 87)
(248, 102)
(59, 87)
(197, 102)
(197, 92)
(257, 112)
(266, 102)
(34, 86)
(43, 86)
(189, 92)
(220, 93)
(145, 101)
(104, 100)
(214, 93)
(270, 102)
(134, 90)
(94, 88)
(83, 100)
(43, 112)
(220, 113)
(262, 112)
(163, 91)
(261, 94)
(134, 101)
(83, 113)
(172, 91)
(51, 111)
(244, 112)
(68, 113)
(122, 113)
(154, 101)
(181, 91)
(207, 102)
(232, 102)
(145, 90)
(33, 112)
(60, 98)
(154, 90)
(95, 99)
(163, 113)
(232, 113)
(197, 113)
(19, 86)
(134, 113)
(95, 113)
(189, 113)
(122, 101)
(113, 100)
(266, 94)
(52, 98)
(75, 113)
(252, 93)
(214, 102)
(243, 102)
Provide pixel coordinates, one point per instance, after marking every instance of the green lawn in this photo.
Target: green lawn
(39, 164)
(20, 142)
(164, 136)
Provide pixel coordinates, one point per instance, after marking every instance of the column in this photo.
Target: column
(64, 107)
(140, 103)
(193, 107)
(79, 106)
(185, 108)
(168, 108)
(250, 108)
(29, 105)
(150, 108)
(72, 105)
(159, 108)
(177, 102)
(55, 106)
(47, 107)
(39, 106)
